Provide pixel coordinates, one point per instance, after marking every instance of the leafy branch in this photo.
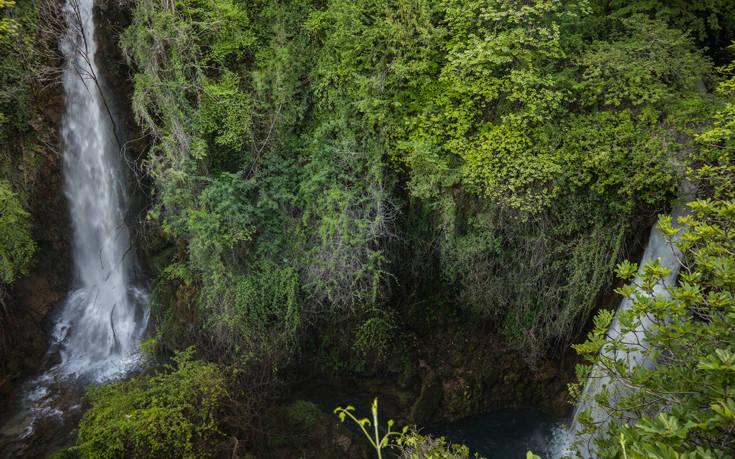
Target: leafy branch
(376, 441)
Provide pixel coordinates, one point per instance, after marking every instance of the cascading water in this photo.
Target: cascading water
(97, 331)
(103, 318)
(658, 248)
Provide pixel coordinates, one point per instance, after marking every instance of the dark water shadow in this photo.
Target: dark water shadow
(506, 434)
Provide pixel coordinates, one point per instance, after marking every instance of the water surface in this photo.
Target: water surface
(506, 434)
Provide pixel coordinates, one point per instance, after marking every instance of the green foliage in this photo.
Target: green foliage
(378, 441)
(644, 63)
(282, 224)
(8, 27)
(347, 216)
(256, 315)
(683, 405)
(220, 221)
(505, 275)
(619, 157)
(290, 137)
(710, 21)
(492, 111)
(721, 136)
(549, 152)
(415, 446)
(196, 99)
(21, 70)
(374, 339)
(496, 86)
(16, 245)
(174, 413)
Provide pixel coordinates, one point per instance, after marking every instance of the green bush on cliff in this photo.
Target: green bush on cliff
(280, 221)
(16, 245)
(295, 135)
(174, 413)
(17, 155)
(510, 132)
(294, 142)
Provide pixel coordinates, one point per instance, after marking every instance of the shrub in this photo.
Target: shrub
(16, 245)
(416, 446)
(374, 337)
(170, 414)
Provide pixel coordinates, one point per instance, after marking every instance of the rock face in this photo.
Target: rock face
(474, 373)
(449, 375)
(495, 379)
(428, 402)
(111, 18)
(302, 429)
(33, 297)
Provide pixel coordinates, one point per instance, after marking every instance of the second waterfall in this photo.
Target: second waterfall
(105, 314)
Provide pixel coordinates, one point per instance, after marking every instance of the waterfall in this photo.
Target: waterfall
(98, 329)
(104, 316)
(658, 248)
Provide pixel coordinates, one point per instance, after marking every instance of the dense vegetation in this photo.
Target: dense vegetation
(330, 181)
(333, 153)
(170, 414)
(17, 246)
(24, 145)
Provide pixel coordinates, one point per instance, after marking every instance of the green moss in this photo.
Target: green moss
(298, 426)
(16, 245)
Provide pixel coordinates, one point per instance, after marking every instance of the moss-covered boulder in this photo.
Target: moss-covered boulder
(428, 403)
(302, 429)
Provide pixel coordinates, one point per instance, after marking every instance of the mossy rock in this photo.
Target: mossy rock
(66, 453)
(429, 400)
(301, 429)
(462, 396)
(408, 376)
(301, 422)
